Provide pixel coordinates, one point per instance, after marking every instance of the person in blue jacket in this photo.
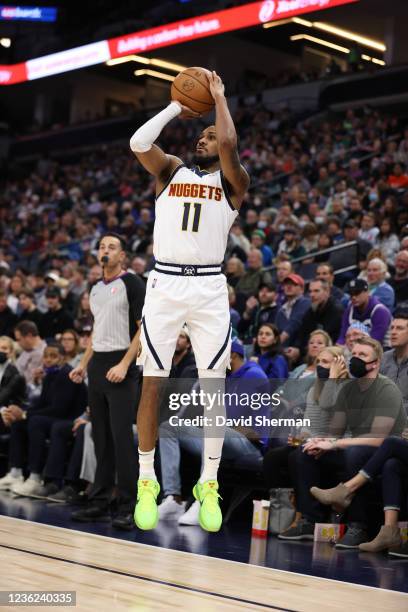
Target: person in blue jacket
(268, 352)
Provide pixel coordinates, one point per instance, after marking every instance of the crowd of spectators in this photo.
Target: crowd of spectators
(297, 307)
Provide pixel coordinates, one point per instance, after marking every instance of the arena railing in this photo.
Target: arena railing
(310, 257)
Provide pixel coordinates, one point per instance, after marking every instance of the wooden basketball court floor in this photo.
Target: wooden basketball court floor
(109, 574)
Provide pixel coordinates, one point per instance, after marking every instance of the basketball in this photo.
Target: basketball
(191, 89)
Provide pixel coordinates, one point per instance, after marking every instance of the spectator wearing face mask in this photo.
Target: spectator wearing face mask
(370, 409)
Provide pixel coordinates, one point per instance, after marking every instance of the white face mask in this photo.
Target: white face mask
(319, 220)
(262, 224)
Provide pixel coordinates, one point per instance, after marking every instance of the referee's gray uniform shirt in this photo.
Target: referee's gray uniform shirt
(116, 305)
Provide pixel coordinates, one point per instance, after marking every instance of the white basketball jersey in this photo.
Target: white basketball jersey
(193, 218)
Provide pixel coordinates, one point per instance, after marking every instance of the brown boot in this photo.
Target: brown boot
(339, 497)
(388, 537)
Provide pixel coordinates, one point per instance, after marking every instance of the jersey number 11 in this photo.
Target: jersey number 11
(196, 218)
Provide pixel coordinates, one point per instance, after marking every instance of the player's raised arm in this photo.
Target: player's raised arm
(152, 158)
(235, 174)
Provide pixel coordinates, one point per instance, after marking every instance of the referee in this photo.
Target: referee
(116, 303)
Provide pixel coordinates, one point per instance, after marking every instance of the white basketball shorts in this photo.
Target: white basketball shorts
(200, 302)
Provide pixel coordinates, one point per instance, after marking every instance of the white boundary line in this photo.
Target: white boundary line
(182, 552)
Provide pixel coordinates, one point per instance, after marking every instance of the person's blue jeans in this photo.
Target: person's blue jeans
(172, 439)
(390, 460)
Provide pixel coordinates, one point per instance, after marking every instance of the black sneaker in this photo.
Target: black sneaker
(354, 536)
(92, 514)
(126, 522)
(46, 490)
(401, 551)
(63, 495)
(302, 530)
(78, 498)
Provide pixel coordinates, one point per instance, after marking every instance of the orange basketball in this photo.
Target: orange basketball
(191, 89)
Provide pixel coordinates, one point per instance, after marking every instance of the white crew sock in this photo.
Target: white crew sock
(35, 477)
(16, 472)
(146, 465)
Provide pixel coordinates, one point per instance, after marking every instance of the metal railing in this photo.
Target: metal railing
(310, 256)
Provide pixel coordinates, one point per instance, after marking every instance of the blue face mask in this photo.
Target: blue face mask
(52, 369)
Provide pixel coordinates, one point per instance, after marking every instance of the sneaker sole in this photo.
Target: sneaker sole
(200, 521)
(57, 501)
(300, 537)
(348, 546)
(154, 525)
(104, 519)
(397, 554)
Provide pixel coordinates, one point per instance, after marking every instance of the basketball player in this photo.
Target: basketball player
(195, 208)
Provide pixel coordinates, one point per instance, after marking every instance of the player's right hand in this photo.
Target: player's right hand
(77, 375)
(187, 113)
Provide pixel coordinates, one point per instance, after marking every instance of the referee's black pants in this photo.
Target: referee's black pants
(113, 411)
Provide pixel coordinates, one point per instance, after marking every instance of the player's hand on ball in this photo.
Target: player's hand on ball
(187, 113)
(117, 373)
(217, 87)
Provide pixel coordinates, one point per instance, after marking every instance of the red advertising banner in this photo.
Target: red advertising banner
(216, 23)
(175, 33)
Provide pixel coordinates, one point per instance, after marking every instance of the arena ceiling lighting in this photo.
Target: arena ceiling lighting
(327, 27)
(154, 73)
(146, 60)
(193, 28)
(330, 45)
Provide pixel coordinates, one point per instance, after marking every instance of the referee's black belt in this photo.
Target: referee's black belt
(187, 269)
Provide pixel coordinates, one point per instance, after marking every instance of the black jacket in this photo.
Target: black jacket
(55, 322)
(259, 316)
(328, 318)
(12, 387)
(8, 320)
(60, 397)
(36, 316)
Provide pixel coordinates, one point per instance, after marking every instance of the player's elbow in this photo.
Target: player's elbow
(137, 145)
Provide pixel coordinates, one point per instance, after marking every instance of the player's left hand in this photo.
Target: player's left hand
(117, 373)
(217, 87)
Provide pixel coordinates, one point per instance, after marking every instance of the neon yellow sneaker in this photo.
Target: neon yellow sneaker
(146, 512)
(210, 516)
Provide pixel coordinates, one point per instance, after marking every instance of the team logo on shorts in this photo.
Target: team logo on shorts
(188, 271)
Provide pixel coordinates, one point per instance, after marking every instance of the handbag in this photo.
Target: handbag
(282, 510)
